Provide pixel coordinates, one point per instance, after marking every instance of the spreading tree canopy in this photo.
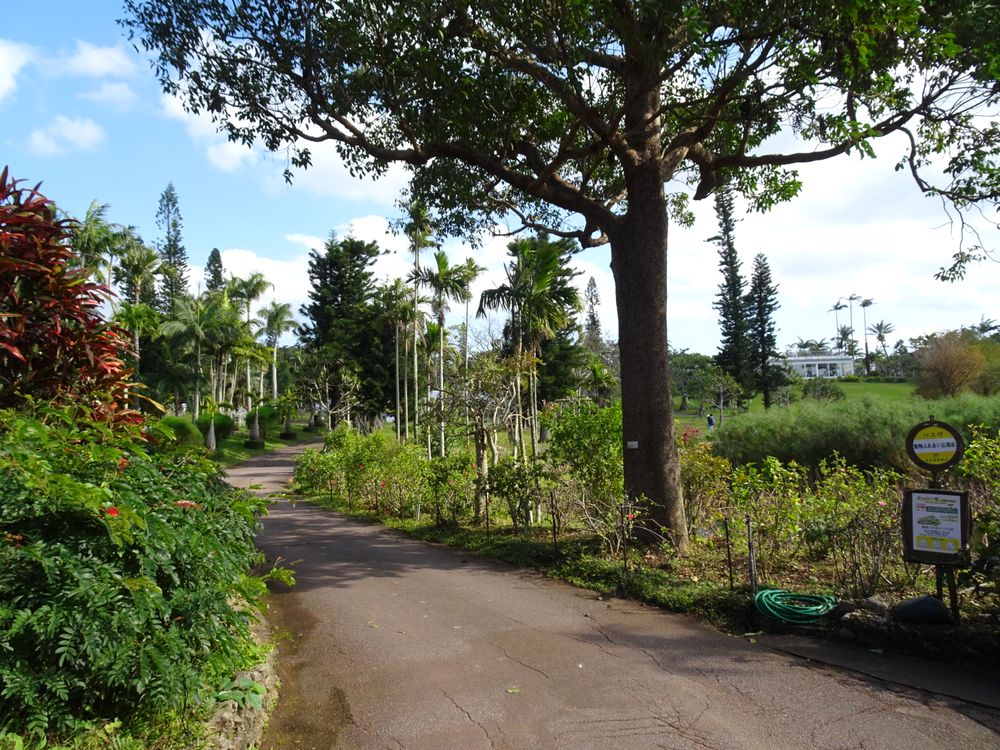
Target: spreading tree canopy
(579, 116)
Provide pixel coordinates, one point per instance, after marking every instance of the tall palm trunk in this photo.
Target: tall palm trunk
(197, 381)
(398, 428)
(406, 391)
(274, 371)
(441, 379)
(416, 322)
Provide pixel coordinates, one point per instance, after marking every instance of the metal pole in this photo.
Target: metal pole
(753, 559)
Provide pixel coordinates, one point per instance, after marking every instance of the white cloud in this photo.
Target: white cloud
(220, 152)
(64, 134)
(309, 241)
(289, 277)
(228, 156)
(118, 95)
(328, 175)
(13, 57)
(92, 61)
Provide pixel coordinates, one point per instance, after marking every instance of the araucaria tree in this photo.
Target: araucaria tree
(174, 267)
(761, 304)
(731, 302)
(214, 272)
(552, 110)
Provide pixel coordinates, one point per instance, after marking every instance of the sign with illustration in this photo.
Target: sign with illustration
(936, 526)
(934, 445)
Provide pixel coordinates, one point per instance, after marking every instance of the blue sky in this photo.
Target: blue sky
(81, 112)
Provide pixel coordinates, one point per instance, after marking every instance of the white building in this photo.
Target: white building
(827, 365)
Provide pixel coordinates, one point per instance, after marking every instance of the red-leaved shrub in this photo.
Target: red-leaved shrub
(54, 343)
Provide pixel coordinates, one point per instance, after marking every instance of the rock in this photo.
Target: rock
(877, 603)
(923, 609)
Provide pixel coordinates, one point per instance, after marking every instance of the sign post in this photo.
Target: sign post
(936, 522)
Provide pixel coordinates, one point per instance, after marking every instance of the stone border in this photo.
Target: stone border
(234, 728)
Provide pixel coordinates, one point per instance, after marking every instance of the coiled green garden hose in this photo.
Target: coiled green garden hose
(798, 609)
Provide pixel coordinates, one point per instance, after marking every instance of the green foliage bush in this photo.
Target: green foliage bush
(867, 432)
(124, 586)
(369, 472)
(224, 425)
(183, 431)
(585, 450)
(821, 389)
(980, 472)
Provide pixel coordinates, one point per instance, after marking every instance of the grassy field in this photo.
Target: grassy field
(853, 391)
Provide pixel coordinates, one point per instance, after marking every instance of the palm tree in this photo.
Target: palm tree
(446, 283)
(846, 342)
(837, 307)
(865, 304)
(398, 311)
(198, 321)
(275, 319)
(811, 346)
(541, 300)
(245, 292)
(850, 301)
(419, 229)
(880, 331)
(98, 242)
(137, 270)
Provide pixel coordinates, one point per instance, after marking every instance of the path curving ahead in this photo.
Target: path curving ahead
(387, 642)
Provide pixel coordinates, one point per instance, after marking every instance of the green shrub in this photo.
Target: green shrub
(185, 433)
(704, 484)
(124, 586)
(224, 425)
(368, 472)
(585, 450)
(852, 518)
(822, 389)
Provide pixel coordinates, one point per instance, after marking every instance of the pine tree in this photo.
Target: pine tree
(171, 249)
(734, 346)
(592, 337)
(761, 303)
(214, 272)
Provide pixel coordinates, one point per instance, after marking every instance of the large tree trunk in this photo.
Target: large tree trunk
(639, 264)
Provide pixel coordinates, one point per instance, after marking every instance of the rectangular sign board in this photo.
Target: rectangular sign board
(936, 526)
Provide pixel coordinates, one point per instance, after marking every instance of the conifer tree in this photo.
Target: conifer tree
(214, 272)
(175, 263)
(592, 337)
(734, 345)
(761, 303)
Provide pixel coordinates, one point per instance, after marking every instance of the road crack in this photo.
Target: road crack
(470, 718)
(514, 659)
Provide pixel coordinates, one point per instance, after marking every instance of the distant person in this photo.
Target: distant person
(711, 423)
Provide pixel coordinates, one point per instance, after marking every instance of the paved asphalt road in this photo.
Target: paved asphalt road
(386, 642)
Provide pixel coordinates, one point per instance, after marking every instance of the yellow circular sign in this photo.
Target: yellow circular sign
(935, 445)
